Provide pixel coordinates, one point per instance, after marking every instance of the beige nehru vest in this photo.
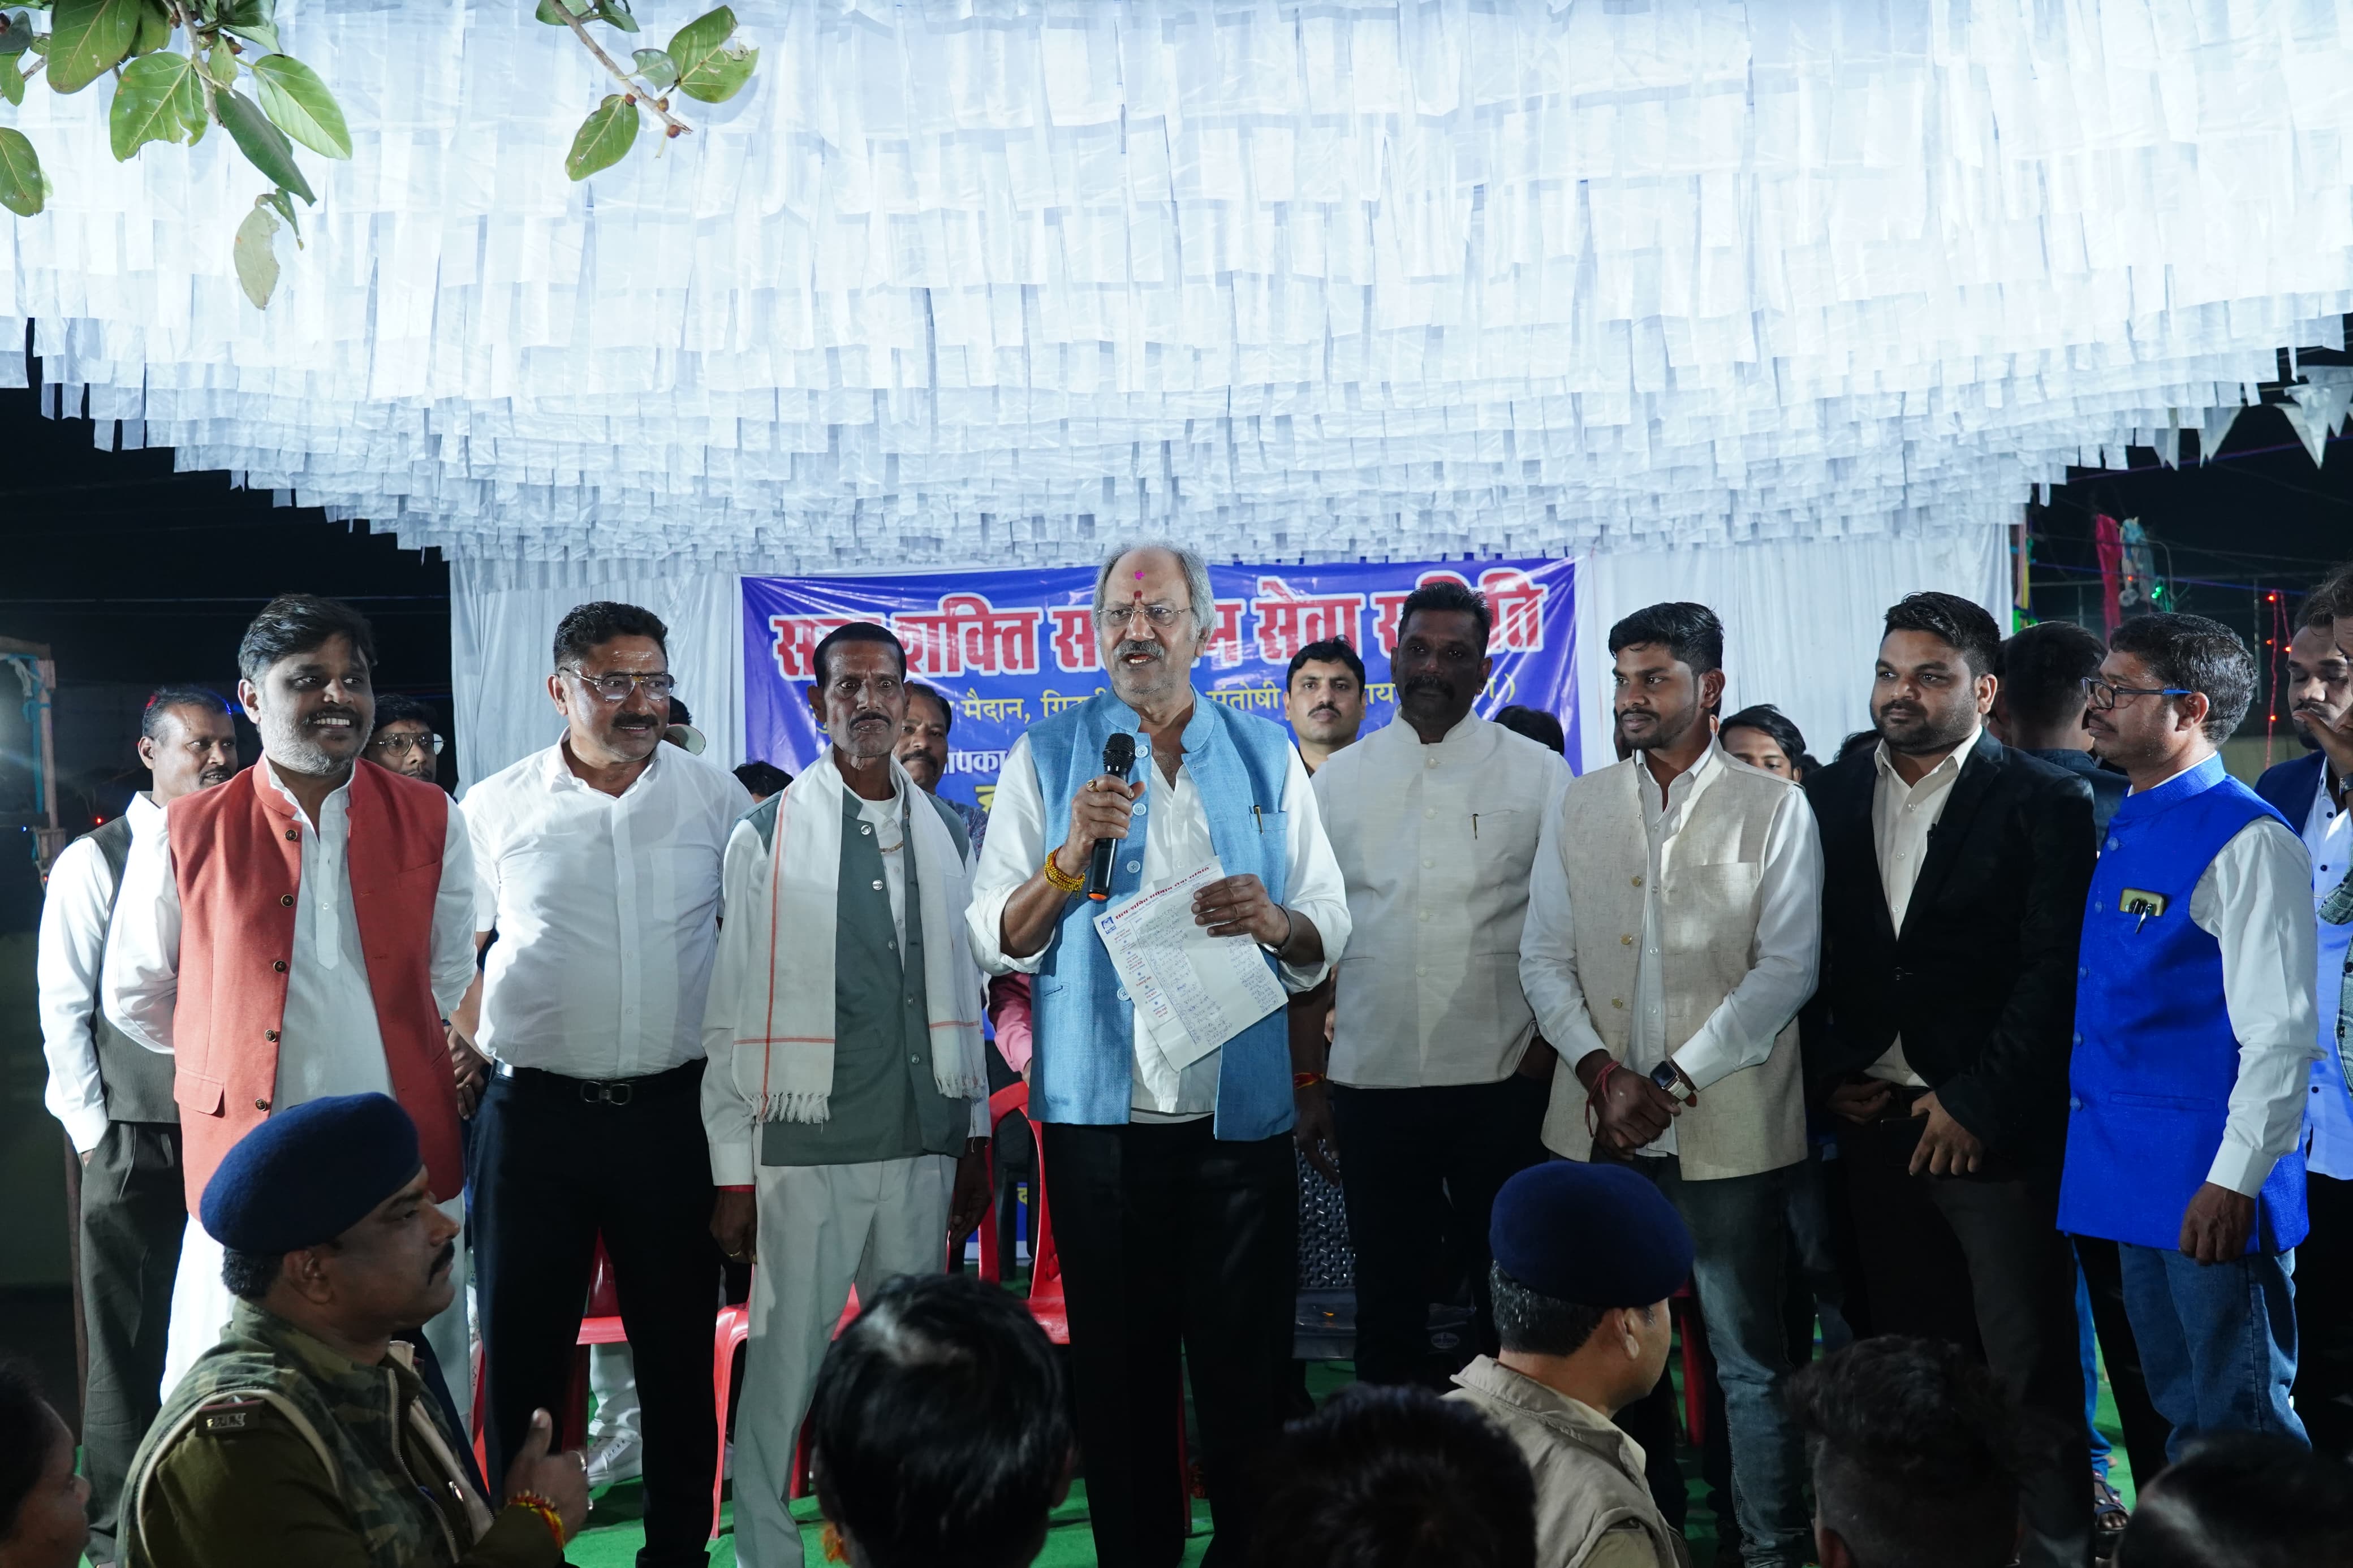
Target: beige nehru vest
(1710, 871)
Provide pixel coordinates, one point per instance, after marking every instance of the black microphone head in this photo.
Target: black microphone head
(1119, 753)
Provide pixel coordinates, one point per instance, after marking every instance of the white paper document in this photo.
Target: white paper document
(1193, 991)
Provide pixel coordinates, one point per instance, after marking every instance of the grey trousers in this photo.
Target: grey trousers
(134, 1209)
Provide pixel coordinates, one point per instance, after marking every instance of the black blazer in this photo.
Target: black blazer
(1981, 982)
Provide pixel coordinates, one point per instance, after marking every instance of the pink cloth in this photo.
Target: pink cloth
(1008, 1009)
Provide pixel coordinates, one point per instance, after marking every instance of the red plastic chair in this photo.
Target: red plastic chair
(1684, 1307)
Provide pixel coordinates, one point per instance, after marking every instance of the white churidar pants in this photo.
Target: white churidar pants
(823, 1228)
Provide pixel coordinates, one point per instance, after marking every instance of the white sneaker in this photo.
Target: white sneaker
(615, 1457)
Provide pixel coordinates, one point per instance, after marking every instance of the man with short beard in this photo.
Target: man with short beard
(847, 1101)
(1324, 698)
(114, 1097)
(2193, 1039)
(1673, 928)
(598, 864)
(296, 932)
(1954, 875)
(1439, 1079)
(923, 751)
(1175, 1198)
(2309, 792)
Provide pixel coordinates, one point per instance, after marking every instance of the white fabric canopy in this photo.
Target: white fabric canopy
(988, 281)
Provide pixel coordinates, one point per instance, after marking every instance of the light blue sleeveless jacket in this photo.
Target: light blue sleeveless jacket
(1085, 1027)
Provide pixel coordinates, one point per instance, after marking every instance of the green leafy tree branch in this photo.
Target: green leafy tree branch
(165, 93)
(705, 60)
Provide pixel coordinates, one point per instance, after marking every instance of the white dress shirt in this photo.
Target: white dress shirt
(1902, 818)
(1176, 844)
(329, 1042)
(606, 908)
(2328, 1129)
(1435, 843)
(2255, 901)
(1741, 1031)
(890, 828)
(74, 913)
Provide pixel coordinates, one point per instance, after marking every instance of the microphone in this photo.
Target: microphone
(1119, 758)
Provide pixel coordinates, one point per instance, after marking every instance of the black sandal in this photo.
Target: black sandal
(2109, 1518)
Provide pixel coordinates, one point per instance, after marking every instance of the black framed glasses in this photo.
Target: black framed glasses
(617, 686)
(401, 745)
(2101, 697)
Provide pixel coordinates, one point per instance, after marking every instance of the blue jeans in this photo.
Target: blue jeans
(1740, 1235)
(2217, 1341)
(2089, 1350)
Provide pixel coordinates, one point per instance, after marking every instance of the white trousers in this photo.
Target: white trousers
(823, 1228)
(201, 1306)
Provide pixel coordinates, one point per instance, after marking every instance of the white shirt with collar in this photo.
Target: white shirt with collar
(1902, 818)
(2329, 841)
(76, 911)
(606, 908)
(2255, 901)
(1435, 843)
(1741, 1031)
(329, 1042)
(1176, 844)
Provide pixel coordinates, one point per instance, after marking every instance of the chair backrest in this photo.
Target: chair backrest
(1046, 1266)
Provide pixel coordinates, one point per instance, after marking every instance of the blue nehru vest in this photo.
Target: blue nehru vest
(1085, 1028)
(2155, 1056)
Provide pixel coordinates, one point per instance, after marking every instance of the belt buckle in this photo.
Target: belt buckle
(617, 1092)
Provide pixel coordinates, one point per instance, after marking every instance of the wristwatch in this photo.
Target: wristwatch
(1674, 1083)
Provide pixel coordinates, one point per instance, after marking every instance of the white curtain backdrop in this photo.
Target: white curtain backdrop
(1801, 621)
(966, 281)
(1801, 624)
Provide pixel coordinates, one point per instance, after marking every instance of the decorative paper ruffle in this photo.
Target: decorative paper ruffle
(993, 282)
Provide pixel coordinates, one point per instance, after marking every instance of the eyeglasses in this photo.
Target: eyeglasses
(2101, 697)
(1161, 615)
(401, 745)
(616, 687)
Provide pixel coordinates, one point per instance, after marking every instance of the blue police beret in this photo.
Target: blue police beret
(1598, 1235)
(308, 1175)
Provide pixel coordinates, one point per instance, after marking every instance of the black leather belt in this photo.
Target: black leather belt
(686, 1077)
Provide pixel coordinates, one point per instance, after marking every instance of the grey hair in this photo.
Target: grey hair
(1197, 580)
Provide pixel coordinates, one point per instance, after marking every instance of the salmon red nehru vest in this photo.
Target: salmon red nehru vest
(237, 855)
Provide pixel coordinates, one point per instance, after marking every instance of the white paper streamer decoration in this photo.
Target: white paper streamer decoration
(989, 282)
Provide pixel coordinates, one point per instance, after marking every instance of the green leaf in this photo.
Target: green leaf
(16, 32)
(551, 11)
(711, 66)
(615, 13)
(12, 80)
(155, 28)
(88, 38)
(284, 202)
(153, 101)
(264, 145)
(659, 70)
(256, 256)
(23, 191)
(605, 138)
(253, 19)
(220, 63)
(293, 96)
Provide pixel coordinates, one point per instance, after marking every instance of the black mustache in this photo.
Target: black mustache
(332, 711)
(871, 719)
(443, 1259)
(1324, 708)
